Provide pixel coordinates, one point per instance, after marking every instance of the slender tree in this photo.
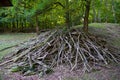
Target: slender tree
(67, 14)
(37, 26)
(87, 10)
(113, 10)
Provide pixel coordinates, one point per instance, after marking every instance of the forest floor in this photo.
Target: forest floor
(11, 39)
(110, 32)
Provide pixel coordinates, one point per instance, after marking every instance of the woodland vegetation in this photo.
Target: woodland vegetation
(62, 43)
(30, 15)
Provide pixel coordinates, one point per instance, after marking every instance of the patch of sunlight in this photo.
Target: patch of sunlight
(97, 25)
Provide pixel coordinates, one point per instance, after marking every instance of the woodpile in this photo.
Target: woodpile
(72, 48)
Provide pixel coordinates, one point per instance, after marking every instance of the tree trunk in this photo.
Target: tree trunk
(17, 24)
(113, 11)
(37, 27)
(106, 16)
(13, 25)
(87, 9)
(25, 23)
(67, 15)
(99, 16)
(22, 24)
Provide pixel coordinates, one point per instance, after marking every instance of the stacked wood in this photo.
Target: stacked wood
(73, 48)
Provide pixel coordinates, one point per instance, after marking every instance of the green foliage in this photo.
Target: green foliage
(117, 9)
(16, 69)
(52, 13)
(105, 11)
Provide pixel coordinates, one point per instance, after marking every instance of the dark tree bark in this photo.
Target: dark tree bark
(67, 15)
(68, 24)
(13, 24)
(25, 23)
(37, 27)
(87, 9)
(106, 16)
(17, 24)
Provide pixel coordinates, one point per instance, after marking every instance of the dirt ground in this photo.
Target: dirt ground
(111, 33)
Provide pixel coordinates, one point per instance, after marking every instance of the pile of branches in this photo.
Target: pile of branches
(73, 48)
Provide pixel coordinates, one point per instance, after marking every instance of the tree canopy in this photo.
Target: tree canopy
(45, 14)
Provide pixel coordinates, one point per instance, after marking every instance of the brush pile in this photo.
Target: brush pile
(73, 48)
